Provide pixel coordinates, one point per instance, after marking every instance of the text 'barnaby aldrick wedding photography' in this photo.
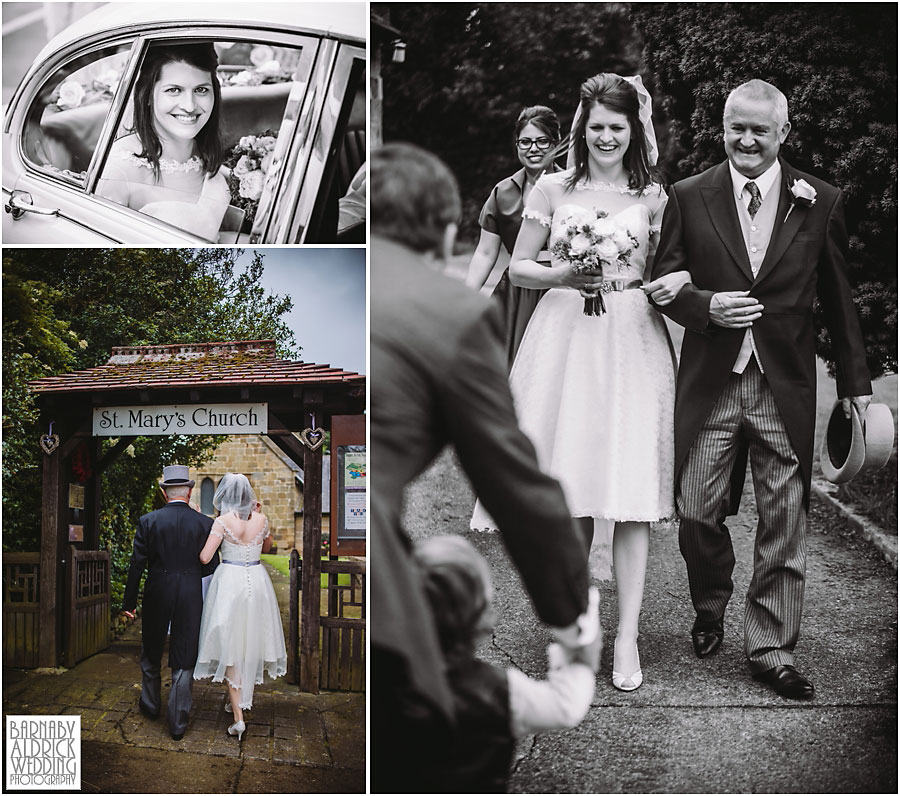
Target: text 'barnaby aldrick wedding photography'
(43, 752)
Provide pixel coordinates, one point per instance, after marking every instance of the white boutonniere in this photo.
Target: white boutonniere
(803, 194)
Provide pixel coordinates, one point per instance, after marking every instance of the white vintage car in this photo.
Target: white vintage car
(292, 83)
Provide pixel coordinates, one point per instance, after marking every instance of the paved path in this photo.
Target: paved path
(294, 742)
(706, 726)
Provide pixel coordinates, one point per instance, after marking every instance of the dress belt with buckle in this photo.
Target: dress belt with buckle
(241, 563)
(618, 285)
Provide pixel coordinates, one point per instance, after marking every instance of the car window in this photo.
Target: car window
(64, 121)
(339, 214)
(198, 145)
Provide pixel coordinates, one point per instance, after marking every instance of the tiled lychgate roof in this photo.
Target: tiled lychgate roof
(243, 364)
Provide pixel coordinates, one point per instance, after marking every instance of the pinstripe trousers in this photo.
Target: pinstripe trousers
(775, 596)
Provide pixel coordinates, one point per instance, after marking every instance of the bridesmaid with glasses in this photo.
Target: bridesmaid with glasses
(537, 143)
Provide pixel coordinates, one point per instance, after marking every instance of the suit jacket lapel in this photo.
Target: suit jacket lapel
(719, 201)
(784, 231)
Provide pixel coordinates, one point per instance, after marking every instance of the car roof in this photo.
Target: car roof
(336, 19)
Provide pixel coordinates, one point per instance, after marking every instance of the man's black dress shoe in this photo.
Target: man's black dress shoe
(178, 737)
(707, 637)
(146, 711)
(787, 682)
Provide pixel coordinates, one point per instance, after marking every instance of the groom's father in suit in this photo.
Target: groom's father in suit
(760, 240)
(168, 542)
(440, 378)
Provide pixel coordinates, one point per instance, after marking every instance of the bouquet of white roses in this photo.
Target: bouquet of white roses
(249, 162)
(590, 240)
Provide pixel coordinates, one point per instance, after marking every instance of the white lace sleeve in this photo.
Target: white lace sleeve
(656, 211)
(656, 216)
(557, 703)
(542, 219)
(219, 533)
(538, 206)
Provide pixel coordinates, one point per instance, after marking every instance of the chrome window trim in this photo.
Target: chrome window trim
(45, 76)
(340, 69)
(279, 225)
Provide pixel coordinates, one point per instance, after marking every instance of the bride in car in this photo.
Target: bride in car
(169, 166)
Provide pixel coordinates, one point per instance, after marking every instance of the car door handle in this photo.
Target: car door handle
(20, 202)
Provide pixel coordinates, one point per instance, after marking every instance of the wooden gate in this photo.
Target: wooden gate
(341, 631)
(342, 664)
(21, 609)
(88, 611)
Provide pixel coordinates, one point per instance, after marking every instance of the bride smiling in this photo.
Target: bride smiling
(169, 166)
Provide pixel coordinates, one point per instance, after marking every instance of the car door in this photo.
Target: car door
(53, 161)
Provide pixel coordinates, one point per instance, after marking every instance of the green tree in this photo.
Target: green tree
(470, 68)
(836, 63)
(64, 309)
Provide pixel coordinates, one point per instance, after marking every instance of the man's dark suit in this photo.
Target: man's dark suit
(701, 233)
(440, 377)
(168, 541)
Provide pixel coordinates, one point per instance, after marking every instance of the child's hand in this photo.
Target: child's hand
(559, 656)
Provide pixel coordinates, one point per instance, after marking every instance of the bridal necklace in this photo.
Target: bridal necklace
(193, 163)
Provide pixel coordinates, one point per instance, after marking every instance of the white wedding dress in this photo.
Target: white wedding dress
(596, 394)
(182, 196)
(241, 635)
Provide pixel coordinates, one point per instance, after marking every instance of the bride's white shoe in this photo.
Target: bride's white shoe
(627, 682)
(237, 729)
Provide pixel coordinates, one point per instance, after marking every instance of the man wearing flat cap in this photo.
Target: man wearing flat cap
(168, 543)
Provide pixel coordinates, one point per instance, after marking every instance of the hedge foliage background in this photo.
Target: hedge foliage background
(471, 67)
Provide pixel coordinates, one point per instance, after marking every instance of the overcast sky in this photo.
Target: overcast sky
(328, 287)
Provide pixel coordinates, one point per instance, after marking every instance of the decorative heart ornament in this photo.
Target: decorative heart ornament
(313, 438)
(49, 443)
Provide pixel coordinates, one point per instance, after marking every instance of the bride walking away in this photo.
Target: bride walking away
(241, 636)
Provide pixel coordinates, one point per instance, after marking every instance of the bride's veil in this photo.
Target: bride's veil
(234, 493)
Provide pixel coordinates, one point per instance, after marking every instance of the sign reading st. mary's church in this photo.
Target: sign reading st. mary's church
(127, 421)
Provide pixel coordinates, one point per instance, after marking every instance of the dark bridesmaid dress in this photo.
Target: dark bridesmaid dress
(502, 215)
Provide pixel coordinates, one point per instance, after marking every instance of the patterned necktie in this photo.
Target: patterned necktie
(755, 198)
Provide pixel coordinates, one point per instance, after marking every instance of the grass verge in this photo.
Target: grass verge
(874, 495)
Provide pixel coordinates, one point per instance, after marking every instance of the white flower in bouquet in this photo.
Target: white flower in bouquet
(580, 243)
(269, 69)
(247, 142)
(622, 239)
(261, 54)
(603, 227)
(252, 185)
(607, 250)
(71, 95)
(266, 163)
(266, 143)
(244, 166)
